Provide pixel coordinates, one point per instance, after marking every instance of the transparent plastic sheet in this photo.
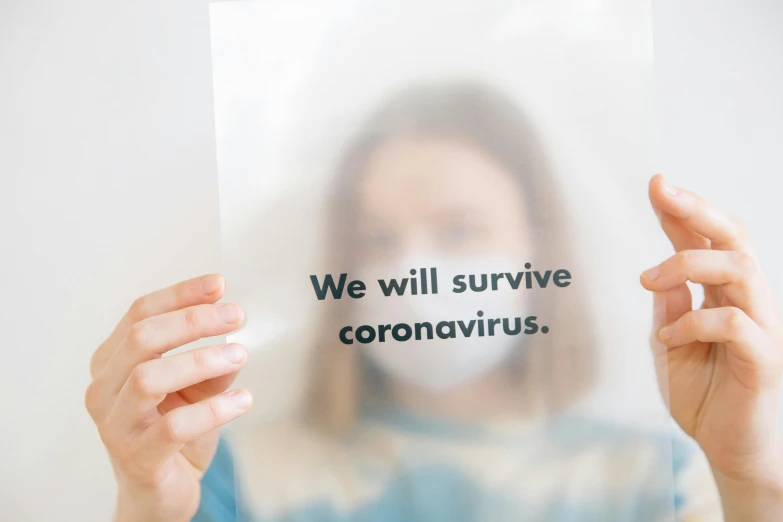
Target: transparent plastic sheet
(434, 214)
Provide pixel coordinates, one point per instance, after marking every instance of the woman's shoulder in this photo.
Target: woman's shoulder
(664, 455)
(659, 444)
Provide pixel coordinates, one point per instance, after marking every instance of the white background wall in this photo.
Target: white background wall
(108, 179)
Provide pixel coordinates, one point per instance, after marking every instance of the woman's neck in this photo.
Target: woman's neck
(493, 395)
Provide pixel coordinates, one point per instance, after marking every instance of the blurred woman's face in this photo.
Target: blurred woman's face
(441, 207)
(440, 196)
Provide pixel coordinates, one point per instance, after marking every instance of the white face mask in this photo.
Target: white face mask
(440, 364)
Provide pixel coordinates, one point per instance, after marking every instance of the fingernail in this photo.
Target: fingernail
(228, 313)
(234, 353)
(241, 399)
(211, 283)
(668, 189)
(652, 273)
(666, 333)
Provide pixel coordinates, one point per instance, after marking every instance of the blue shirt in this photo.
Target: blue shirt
(433, 491)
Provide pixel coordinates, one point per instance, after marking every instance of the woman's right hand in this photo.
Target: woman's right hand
(158, 416)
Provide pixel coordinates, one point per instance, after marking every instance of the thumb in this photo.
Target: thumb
(677, 302)
(668, 306)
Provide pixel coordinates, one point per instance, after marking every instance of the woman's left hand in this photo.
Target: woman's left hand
(724, 360)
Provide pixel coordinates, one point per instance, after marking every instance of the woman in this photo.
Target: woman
(445, 173)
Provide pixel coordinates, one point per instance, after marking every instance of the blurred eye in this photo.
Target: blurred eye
(458, 234)
(376, 241)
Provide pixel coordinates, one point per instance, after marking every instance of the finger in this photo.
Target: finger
(151, 338)
(728, 325)
(150, 382)
(680, 236)
(200, 290)
(207, 388)
(683, 238)
(670, 305)
(724, 232)
(170, 433)
(197, 392)
(667, 307)
(735, 272)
